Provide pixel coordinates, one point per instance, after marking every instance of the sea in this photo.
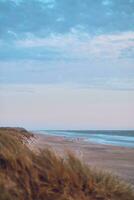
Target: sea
(123, 138)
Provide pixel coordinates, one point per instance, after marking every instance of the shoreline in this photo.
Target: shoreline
(115, 139)
(113, 159)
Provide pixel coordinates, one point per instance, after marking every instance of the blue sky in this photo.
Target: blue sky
(82, 45)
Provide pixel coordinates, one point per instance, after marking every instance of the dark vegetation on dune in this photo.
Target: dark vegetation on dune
(26, 175)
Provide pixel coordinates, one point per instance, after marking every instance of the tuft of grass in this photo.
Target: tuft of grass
(26, 175)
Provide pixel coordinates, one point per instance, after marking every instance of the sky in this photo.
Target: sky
(67, 64)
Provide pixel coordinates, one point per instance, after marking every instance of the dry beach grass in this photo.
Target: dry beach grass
(43, 175)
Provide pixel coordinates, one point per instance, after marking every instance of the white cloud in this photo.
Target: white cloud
(79, 44)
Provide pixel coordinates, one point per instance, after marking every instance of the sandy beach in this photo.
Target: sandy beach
(118, 160)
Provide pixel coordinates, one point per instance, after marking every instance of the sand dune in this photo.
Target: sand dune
(118, 160)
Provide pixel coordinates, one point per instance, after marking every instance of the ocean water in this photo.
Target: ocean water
(109, 137)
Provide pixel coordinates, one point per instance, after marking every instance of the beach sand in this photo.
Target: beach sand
(118, 160)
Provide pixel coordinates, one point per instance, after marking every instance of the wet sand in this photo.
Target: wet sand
(118, 160)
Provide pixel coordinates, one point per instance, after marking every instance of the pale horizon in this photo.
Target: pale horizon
(65, 107)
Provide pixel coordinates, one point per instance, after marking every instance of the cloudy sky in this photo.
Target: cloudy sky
(67, 64)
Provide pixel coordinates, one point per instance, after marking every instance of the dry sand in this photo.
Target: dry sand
(118, 160)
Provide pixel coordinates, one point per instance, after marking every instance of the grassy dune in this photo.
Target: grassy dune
(25, 175)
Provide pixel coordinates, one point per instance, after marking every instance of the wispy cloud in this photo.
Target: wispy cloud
(88, 43)
(82, 45)
(43, 17)
(65, 62)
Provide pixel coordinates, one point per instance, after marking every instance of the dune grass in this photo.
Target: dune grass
(26, 175)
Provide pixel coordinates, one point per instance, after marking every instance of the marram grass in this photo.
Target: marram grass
(26, 175)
